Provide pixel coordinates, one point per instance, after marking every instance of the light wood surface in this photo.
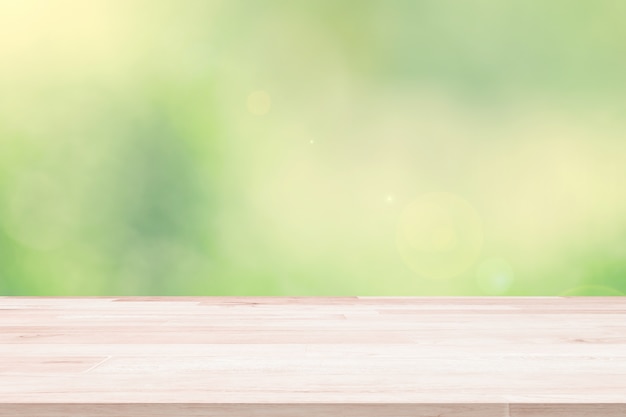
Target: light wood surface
(304, 357)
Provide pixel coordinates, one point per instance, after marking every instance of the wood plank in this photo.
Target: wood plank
(254, 410)
(308, 356)
(568, 410)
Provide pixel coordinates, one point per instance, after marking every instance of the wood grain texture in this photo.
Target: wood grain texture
(345, 356)
(568, 410)
(254, 410)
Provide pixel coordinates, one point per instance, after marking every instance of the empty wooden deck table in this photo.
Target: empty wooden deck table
(310, 357)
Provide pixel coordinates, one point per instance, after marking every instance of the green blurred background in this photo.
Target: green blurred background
(320, 147)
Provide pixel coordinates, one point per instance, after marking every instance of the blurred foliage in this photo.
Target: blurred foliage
(370, 147)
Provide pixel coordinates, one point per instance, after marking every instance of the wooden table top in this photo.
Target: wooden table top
(298, 356)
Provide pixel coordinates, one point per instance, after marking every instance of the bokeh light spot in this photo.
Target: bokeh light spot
(495, 276)
(259, 102)
(439, 235)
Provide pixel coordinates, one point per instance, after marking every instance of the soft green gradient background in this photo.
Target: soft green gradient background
(312, 147)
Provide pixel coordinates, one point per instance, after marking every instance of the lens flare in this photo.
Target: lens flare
(495, 276)
(439, 235)
(259, 102)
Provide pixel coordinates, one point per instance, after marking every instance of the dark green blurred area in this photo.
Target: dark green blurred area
(312, 147)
